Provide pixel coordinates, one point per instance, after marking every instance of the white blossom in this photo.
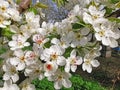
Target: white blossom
(95, 15)
(18, 41)
(61, 79)
(8, 85)
(32, 19)
(72, 62)
(89, 62)
(54, 55)
(107, 33)
(4, 22)
(11, 72)
(35, 71)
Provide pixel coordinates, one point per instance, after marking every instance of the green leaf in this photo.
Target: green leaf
(2, 50)
(112, 19)
(108, 10)
(60, 2)
(117, 5)
(27, 48)
(18, 1)
(67, 52)
(33, 9)
(78, 25)
(114, 1)
(40, 5)
(6, 32)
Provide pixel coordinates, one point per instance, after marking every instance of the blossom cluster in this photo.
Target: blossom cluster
(41, 49)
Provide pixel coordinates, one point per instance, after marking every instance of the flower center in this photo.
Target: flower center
(32, 55)
(54, 56)
(95, 17)
(39, 39)
(62, 43)
(73, 61)
(13, 70)
(101, 33)
(59, 77)
(87, 61)
(19, 43)
(22, 58)
(37, 71)
(78, 36)
(49, 67)
(3, 9)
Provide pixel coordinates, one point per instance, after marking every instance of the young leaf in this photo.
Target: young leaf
(112, 19)
(117, 5)
(6, 32)
(40, 5)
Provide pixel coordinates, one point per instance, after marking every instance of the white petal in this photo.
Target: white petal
(92, 9)
(15, 77)
(41, 76)
(20, 66)
(2, 26)
(105, 41)
(85, 31)
(83, 41)
(47, 74)
(87, 18)
(6, 22)
(100, 20)
(95, 63)
(73, 53)
(76, 9)
(26, 44)
(67, 67)
(44, 24)
(66, 83)
(58, 85)
(61, 61)
(6, 76)
(14, 61)
(51, 78)
(19, 53)
(14, 28)
(79, 61)
(87, 67)
(14, 87)
(73, 68)
(113, 42)
(55, 41)
(12, 43)
(13, 48)
(98, 37)
(28, 71)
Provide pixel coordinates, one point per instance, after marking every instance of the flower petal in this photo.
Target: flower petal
(73, 68)
(61, 61)
(66, 83)
(87, 67)
(67, 67)
(58, 85)
(95, 63)
(15, 77)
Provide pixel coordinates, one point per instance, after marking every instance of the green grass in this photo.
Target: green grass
(78, 83)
